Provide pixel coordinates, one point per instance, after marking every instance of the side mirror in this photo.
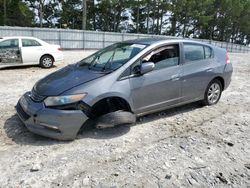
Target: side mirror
(147, 67)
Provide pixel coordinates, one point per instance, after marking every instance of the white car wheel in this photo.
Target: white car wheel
(46, 61)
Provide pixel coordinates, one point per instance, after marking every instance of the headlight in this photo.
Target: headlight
(63, 100)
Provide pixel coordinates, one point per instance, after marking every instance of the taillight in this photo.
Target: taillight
(59, 49)
(227, 59)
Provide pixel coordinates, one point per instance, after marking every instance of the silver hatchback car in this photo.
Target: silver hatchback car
(123, 81)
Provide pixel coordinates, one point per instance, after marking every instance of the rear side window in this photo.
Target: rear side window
(11, 43)
(195, 52)
(30, 42)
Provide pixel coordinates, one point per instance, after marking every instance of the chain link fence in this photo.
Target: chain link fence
(79, 39)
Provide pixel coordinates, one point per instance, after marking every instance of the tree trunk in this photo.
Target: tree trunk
(184, 30)
(84, 14)
(4, 12)
(153, 25)
(94, 16)
(138, 17)
(118, 19)
(41, 13)
(173, 25)
(161, 22)
(158, 18)
(147, 17)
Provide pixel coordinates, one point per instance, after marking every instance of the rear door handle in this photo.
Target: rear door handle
(209, 70)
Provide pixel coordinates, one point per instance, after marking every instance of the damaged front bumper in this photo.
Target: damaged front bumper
(53, 123)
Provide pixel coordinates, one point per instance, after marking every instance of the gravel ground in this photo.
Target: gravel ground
(188, 146)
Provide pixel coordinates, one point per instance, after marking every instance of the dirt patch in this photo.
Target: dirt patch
(185, 146)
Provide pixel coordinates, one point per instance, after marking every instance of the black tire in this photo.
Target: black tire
(113, 119)
(46, 61)
(212, 97)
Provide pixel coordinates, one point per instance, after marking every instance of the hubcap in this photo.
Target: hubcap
(47, 62)
(213, 94)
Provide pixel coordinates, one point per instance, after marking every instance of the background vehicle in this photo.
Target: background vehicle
(123, 81)
(18, 51)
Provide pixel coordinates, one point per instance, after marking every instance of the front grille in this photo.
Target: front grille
(21, 112)
(36, 97)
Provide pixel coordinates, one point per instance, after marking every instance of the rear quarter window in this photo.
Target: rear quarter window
(208, 52)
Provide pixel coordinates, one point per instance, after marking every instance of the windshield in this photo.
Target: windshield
(112, 57)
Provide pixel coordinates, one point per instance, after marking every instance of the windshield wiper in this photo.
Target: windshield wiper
(92, 64)
(109, 62)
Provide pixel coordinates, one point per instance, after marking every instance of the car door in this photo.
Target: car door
(161, 87)
(10, 52)
(31, 51)
(197, 71)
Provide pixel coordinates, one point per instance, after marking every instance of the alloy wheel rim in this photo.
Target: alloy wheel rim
(47, 62)
(213, 94)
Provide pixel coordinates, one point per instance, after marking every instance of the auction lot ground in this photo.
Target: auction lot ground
(189, 146)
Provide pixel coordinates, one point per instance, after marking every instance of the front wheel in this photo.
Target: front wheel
(113, 119)
(213, 93)
(46, 61)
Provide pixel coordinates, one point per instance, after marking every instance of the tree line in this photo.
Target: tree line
(222, 20)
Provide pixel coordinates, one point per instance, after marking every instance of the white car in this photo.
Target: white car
(18, 51)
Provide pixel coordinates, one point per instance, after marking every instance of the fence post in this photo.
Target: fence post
(32, 32)
(103, 40)
(83, 39)
(122, 37)
(59, 36)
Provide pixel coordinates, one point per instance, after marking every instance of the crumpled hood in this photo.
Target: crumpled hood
(65, 79)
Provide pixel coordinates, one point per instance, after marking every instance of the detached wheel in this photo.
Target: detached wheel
(213, 93)
(46, 61)
(113, 119)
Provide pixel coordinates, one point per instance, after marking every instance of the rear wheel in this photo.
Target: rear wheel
(213, 93)
(46, 61)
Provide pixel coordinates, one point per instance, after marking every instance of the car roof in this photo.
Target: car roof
(150, 40)
(11, 37)
(155, 40)
(24, 37)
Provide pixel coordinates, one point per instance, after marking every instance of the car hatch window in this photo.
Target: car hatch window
(164, 57)
(193, 52)
(10, 43)
(30, 42)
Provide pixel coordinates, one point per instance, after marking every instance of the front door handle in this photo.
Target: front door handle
(175, 77)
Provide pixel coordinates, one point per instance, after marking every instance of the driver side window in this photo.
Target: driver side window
(164, 57)
(10, 43)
